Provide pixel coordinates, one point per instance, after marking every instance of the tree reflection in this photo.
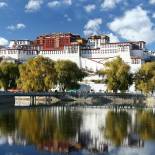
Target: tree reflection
(69, 123)
(34, 126)
(145, 124)
(58, 129)
(48, 127)
(116, 125)
(7, 122)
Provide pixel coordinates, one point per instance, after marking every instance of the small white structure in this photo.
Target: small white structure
(18, 54)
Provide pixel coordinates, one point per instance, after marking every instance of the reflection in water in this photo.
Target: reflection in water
(145, 124)
(116, 127)
(7, 122)
(70, 130)
(48, 129)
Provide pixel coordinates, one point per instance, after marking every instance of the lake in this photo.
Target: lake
(77, 131)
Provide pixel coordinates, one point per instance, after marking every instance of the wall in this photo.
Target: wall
(63, 55)
(21, 55)
(90, 64)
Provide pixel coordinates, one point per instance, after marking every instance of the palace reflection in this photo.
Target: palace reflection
(65, 129)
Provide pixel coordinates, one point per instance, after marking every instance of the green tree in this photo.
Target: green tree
(68, 74)
(117, 75)
(9, 73)
(145, 78)
(38, 74)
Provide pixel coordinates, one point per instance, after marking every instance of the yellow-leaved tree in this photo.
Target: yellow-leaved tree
(37, 75)
(145, 78)
(117, 75)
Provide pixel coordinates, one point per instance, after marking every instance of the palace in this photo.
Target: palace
(89, 54)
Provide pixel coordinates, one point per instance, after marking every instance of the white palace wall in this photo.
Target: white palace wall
(72, 54)
(16, 54)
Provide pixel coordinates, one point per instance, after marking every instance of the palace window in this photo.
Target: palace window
(135, 61)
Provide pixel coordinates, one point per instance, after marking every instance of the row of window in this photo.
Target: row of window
(136, 61)
(21, 42)
(99, 52)
(125, 48)
(51, 52)
(57, 52)
(18, 52)
(115, 45)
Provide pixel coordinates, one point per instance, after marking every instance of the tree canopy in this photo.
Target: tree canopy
(38, 74)
(42, 74)
(145, 78)
(117, 75)
(9, 73)
(68, 74)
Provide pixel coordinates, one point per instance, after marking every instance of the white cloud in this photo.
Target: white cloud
(152, 1)
(134, 25)
(3, 41)
(33, 5)
(90, 7)
(113, 38)
(92, 27)
(153, 15)
(68, 2)
(68, 18)
(18, 26)
(53, 4)
(109, 4)
(57, 3)
(3, 4)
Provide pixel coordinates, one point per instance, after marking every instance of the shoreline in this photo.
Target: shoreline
(102, 100)
(112, 107)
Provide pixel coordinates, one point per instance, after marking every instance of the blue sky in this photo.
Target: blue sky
(122, 20)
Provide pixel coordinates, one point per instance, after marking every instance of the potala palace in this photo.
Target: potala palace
(89, 54)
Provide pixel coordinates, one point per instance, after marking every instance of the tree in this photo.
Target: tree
(68, 74)
(9, 73)
(117, 75)
(145, 78)
(38, 74)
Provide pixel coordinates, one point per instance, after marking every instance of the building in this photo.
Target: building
(56, 41)
(131, 52)
(89, 54)
(93, 53)
(17, 55)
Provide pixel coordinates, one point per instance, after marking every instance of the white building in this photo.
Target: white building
(16, 43)
(90, 56)
(68, 53)
(95, 56)
(99, 50)
(17, 54)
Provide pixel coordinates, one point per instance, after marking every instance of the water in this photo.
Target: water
(69, 131)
